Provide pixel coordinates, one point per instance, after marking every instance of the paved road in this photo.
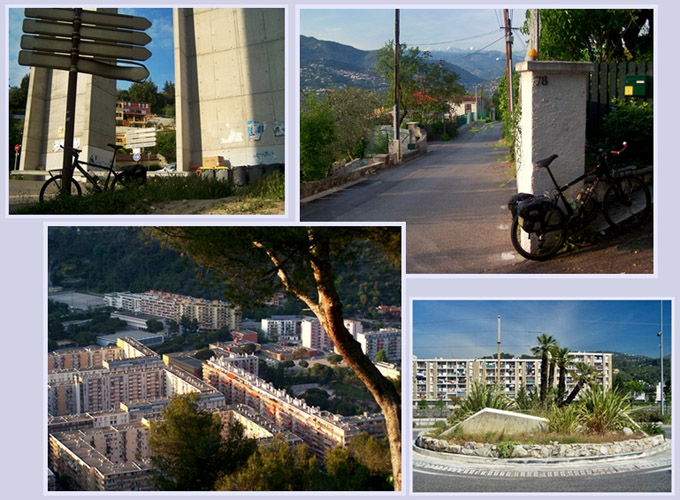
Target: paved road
(646, 474)
(650, 480)
(453, 201)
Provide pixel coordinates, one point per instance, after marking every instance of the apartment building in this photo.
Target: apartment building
(440, 378)
(114, 458)
(313, 336)
(130, 113)
(320, 430)
(285, 328)
(210, 314)
(354, 327)
(82, 358)
(386, 339)
(140, 376)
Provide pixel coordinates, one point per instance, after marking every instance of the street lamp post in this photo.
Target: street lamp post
(660, 335)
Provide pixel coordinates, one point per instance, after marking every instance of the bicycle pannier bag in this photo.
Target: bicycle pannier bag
(533, 213)
(516, 200)
(135, 173)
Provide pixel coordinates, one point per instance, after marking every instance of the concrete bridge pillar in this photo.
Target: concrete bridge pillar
(553, 96)
(230, 85)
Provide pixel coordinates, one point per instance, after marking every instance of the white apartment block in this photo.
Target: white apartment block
(210, 314)
(313, 336)
(354, 327)
(246, 362)
(441, 378)
(286, 328)
(386, 339)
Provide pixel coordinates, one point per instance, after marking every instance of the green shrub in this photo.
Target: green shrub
(632, 121)
(603, 411)
(379, 145)
(650, 416)
(564, 420)
(481, 396)
(505, 448)
(271, 187)
(317, 133)
(452, 129)
(652, 428)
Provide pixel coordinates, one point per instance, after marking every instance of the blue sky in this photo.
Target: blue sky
(160, 64)
(468, 328)
(431, 29)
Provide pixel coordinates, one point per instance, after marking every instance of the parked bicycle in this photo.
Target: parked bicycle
(109, 179)
(540, 227)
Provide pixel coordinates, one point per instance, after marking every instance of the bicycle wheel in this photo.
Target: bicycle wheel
(52, 188)
(543, 244)
(626, 203)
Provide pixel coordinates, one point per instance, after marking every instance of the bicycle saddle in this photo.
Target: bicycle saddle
(546, 161)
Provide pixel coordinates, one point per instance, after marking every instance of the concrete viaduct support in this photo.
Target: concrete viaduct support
(230, 95)
(230, 85)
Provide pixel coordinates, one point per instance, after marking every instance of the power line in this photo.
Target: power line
(453, 41)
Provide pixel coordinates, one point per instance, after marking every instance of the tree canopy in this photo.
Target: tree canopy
(255, 262)
(188, 450)
(425, 87)
(596, 35)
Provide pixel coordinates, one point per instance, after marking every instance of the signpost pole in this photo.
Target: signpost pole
(69, 128)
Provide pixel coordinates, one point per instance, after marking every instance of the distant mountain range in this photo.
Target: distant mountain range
(325, 64)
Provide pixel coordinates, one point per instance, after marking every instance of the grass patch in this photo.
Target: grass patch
(269, 187)
(141, 199)
(350, 391)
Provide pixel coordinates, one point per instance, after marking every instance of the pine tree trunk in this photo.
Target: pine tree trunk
(331, 316)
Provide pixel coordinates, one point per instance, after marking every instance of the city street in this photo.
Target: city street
(454, 203)
(453, 200)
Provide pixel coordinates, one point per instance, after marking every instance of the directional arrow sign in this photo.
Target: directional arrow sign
(86, 32)
(148, 144)
(91, 17)
(90, 66)
(49, 44)
(143, 133)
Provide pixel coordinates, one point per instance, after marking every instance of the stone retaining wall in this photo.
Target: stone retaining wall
(554, 450)
(311, 188)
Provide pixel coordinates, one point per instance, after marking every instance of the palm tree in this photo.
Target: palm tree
(562, 359)
(584, 374)
(545, 344)
(552, 365)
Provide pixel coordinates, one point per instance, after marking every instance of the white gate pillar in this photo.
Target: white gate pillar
(553, 99)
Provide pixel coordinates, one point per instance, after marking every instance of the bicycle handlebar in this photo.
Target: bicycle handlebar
(625, 145)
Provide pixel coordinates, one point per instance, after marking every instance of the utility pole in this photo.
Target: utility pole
(660, 335)
(508, 58)
(396, 76)
(498, 357)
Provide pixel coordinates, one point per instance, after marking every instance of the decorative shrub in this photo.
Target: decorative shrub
(632, 121)
(603, 411)
(564, 420)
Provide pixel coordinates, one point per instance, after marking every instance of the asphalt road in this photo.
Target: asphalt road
(451, 474)
(453, 200)
(650, 480)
